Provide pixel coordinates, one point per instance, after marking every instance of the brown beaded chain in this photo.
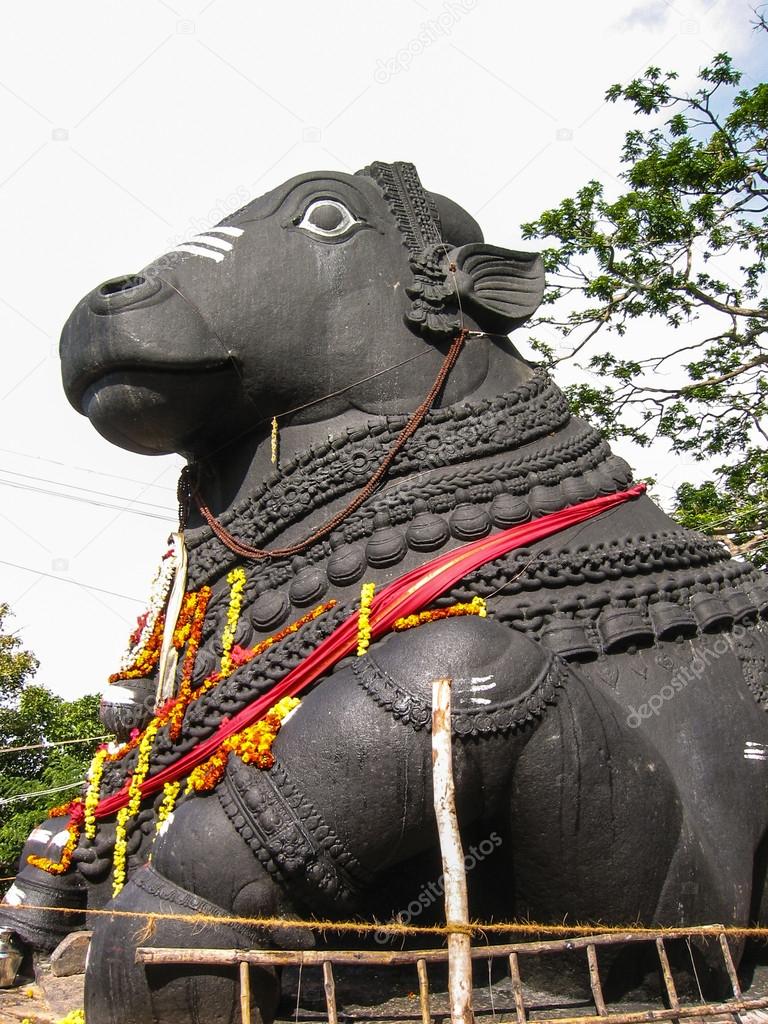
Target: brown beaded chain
(188, 488)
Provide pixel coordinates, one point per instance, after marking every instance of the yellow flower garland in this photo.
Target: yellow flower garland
(170, 795)
(131, 809)
(92, 794)
(236, 580)
(364, 618)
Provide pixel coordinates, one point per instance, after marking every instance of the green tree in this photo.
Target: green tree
(30, 716)
(683, 245)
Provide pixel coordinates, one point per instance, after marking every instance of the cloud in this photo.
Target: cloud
(646, 15)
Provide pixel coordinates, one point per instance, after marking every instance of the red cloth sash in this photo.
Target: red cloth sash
(406, 595)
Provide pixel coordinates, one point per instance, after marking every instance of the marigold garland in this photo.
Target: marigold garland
(76, 811)
(92, 793)
(253, 745)
(146, 660)
(241, 656)
(474, 607)
(170, 795)
(364, 618)
(147, 622)
(147, 657)
(236, 580)
(132, 807)
(190, 635)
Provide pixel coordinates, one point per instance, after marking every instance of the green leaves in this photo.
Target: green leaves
(31, 716)
(680, 254)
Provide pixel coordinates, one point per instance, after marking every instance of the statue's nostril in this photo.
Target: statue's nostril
(123, 293)
(119, 285)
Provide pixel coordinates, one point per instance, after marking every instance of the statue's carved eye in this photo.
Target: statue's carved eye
(327, 218)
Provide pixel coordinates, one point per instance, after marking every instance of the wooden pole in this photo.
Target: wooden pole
(454, 877)
(245, 993)
(421, 968)
(330, 992)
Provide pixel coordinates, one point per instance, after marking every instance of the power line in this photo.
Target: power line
(87, 501)
(39, 792)
(63, 579)
(85, 469)
(86, 490)
(50, 746)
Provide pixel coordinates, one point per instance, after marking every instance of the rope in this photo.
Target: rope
(50, 746)
(398, 928)
(38, 792)
(247, 551)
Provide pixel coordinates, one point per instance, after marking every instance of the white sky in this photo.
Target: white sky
(129, 127)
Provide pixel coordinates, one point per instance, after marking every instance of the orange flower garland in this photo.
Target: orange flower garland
(147, 658)
(190, 633)
(474, 607)
(192, 612)
(76, 812)
(253, 745)
(158, 595)
(241, 656)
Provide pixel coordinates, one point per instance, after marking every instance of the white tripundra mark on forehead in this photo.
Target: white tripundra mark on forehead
(216, 243)
(209, 245)
(232, 232)
(755, 751)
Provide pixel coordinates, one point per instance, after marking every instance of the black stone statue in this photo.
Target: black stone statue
(611, 739)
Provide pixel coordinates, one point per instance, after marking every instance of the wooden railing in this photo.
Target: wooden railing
(512, 952)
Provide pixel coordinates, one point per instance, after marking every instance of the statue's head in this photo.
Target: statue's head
(326, 279)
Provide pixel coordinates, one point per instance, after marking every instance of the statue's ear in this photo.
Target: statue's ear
(500, 287)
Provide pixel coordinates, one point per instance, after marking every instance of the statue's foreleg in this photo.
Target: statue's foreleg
(200, 868)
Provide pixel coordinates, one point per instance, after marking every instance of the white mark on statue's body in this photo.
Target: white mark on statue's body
(120, 695)
(475, 684)
(15, 895)
(163, 827)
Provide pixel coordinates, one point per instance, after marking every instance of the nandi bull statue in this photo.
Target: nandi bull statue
(381, 491)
